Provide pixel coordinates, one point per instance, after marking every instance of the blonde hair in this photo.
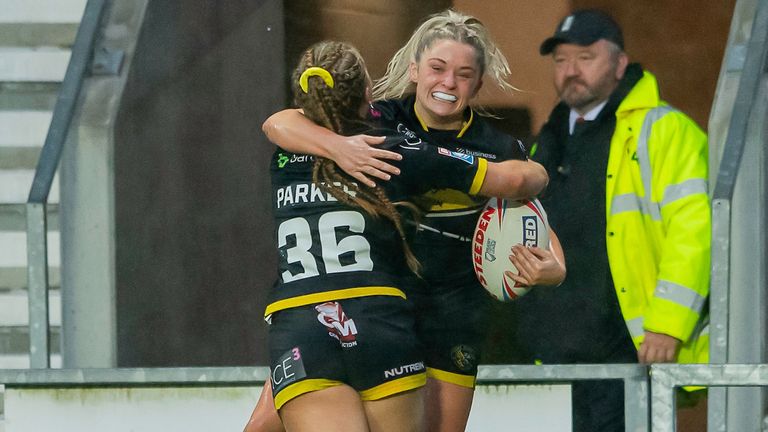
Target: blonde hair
(337, 107)
(450, 25)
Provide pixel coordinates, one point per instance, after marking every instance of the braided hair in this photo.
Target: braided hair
(338, 106)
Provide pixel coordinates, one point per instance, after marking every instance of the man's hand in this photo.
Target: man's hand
(357, 156)
(658, 348)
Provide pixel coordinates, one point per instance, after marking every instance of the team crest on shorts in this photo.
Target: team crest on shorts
(464, 357)
(340, 327)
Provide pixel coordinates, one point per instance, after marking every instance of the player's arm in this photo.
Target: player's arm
(292, 131)
(514, 179)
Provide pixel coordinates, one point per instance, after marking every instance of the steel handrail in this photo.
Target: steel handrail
(48, 162)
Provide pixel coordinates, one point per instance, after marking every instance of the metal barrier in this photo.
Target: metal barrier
(665, 378)
(37, 244)
(653, 410)
(635, 379)
(738, 269)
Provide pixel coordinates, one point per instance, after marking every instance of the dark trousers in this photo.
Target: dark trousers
(598, 405)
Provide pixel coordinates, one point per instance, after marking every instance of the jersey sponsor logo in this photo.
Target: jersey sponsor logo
(464, 357)
(477, 243)
(483, 155)
(456, 155)
(412, 141)
(283, 159)
(530, 231)
(404, 370)
(340, 327)
(287, 369)
(305, 193)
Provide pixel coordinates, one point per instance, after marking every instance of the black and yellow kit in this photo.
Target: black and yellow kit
(342, 273)
(452, 307)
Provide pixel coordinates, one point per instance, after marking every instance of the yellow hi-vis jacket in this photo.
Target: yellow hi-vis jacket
(658, 220)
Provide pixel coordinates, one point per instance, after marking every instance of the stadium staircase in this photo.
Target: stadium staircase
(35, 41)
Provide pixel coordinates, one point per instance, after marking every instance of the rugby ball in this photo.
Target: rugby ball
(502, 224)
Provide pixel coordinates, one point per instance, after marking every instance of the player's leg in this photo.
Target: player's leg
(447, 406)
(308, 375)
(452, 349)
(402, 412)
(386, 364)
(264, 417)
(336, 408)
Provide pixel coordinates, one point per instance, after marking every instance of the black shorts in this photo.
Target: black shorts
(368, 343)
(452, 322)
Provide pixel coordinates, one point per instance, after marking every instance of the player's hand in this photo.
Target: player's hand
(357, 156)
(658, 348)
(535, 266)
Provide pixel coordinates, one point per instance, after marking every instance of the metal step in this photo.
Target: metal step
(14, 312)
(13, 274)
(19, 157)
(24, 128)
(21, 361)
(14, 330)
(44, 64)
(13, 254)
(13, 217)
(42, 11)
(28, 96)
(13, 278)
(38, 34)
(15, 186)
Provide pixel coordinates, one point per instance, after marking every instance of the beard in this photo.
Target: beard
(577, 94)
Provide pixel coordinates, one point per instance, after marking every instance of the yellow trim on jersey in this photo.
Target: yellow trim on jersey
(390, 388)
(482, 170)
(295, 390)
(453, 378)
(464, 125)
(449, 199)
(325, 296)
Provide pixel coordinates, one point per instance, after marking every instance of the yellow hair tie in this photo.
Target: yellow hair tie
(315, 71)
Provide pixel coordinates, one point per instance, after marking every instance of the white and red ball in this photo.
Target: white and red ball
(502, 224)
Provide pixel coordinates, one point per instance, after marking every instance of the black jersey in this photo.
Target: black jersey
(443, 241)
(331, 251)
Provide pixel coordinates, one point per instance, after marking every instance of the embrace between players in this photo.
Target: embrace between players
(377, 319)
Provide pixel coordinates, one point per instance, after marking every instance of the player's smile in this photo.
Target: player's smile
(444, 97)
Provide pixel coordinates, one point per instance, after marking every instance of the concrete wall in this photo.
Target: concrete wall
(194, 247)
(496, 408)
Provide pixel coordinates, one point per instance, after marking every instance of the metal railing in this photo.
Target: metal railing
(50, 155)
(749, 60)
(665, 378)
(635, 377)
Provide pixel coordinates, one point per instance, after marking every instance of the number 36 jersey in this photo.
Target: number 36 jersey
(329, 250)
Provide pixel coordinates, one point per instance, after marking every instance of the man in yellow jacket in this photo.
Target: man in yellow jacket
(628, 199)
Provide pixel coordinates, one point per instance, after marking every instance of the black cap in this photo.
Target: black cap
(584, 27)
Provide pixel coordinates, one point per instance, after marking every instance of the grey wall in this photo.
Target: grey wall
(194, 252)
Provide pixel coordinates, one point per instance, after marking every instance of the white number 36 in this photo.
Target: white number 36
(328, 225)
